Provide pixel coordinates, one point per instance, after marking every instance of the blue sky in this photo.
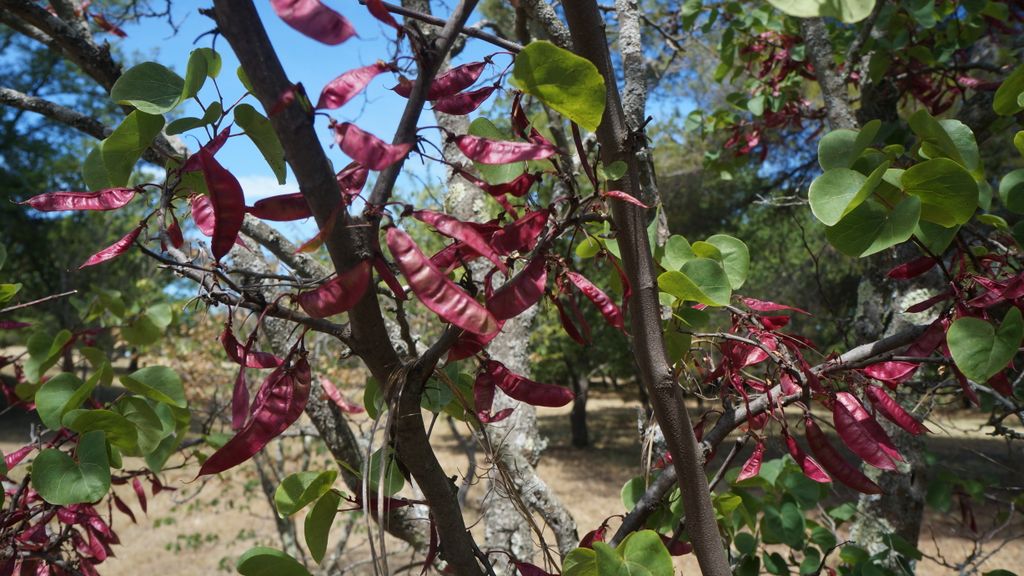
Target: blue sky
(305, 60)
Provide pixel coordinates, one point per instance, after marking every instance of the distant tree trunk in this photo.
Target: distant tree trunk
(578, 416)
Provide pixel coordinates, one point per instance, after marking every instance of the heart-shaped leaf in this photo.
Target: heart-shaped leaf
(59, 395)
(701, 280)
(150, 87)
(263, 561)
(157, 382)
(564, 81)
(871, 228)
(979, 349)
(846, 10)
(300, 489)
(735, 258)
(948, 193)
(62, 481)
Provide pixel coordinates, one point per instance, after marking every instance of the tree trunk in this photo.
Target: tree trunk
(578, 416)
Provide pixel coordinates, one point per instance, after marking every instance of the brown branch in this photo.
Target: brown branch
(833, 86)
(736, 417)
(470, 31)
(543, 13)
(36, 302)
(618, 144)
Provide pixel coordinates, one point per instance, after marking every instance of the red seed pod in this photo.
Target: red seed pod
(567, 323)
(335, 396)
(202, 214)
(351, 179)
(527, 569)
(344, 88)
(892, 372)
(174, 233)
(228, 202)
(114, 250)
(834, 462)
(244, 355)
(12, 325)
(212, 147)
(377, 9)
(675, 546)
(140, 493)
(810, 467)
(315, 20)
(604, 304)
(109, 199)
(14, 458)
(108, 26)
(912, 269)
(452, 256)
(382, 268)
(619, 195)
(470, 344)
(596, 535)
(521, 292)
(519, 120)
(451, 82)
(435, 290)
(281, 208)
(337, 295)
(518, 187)
(366, 148)
(279, 403)
(752, 467)
(521, 235)
(526, 390)
(486, 151)
(483, 398)
(765, 306)
(859, 431)
(464, 102)
(239, 400)
(463, 232)
(889, 408)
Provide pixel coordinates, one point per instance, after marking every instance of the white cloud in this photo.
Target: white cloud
(259, 187)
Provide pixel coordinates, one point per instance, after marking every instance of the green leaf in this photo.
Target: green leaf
(3, 256)
(756, 105)
(1018, 141)
(783, 525)
(745, 543)
(61, 481)
(702, 249)
(149, 87)
(580, 562)
(1007, 98)
(195, 75)
(612, 171)
(735, 258)
(1011, 191)
(243, 78)
(149, 428)
(119, 152)
(677, 252)
(870, 228)
(298, 490)
(774, 563)
(156, 459)
(43, 352)
(393, 480)
(212, 114)
(936, 238)
(643, 552)
(263, 561)
(317, 526)
(841, 148)
(701, 280)
(979, 349)
(632, 491)
(848, 11)
(949, 195)
(843, 512)
(494, 173)
(946, 138)
(262, 134)
(157, 382)
(588, 247)
(59, 395)
(831, 193)
(7, 291)
(564, 81)
(119, 431)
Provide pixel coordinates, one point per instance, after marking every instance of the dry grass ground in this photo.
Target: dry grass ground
(192, 531)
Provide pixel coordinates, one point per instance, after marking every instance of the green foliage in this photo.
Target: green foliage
(1009, 98)
(262, 134)
(110, 163)
(151, 88)
(317, 526)
(263, 561)
(564, 81)
(299, 490)
(845, 10)
(641, 553)
(61, 480)
(979, 349)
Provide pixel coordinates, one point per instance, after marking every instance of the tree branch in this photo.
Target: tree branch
(618, 144)
(543, 13)
(833, 87)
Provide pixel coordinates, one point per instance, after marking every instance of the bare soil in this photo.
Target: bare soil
(202, 527)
